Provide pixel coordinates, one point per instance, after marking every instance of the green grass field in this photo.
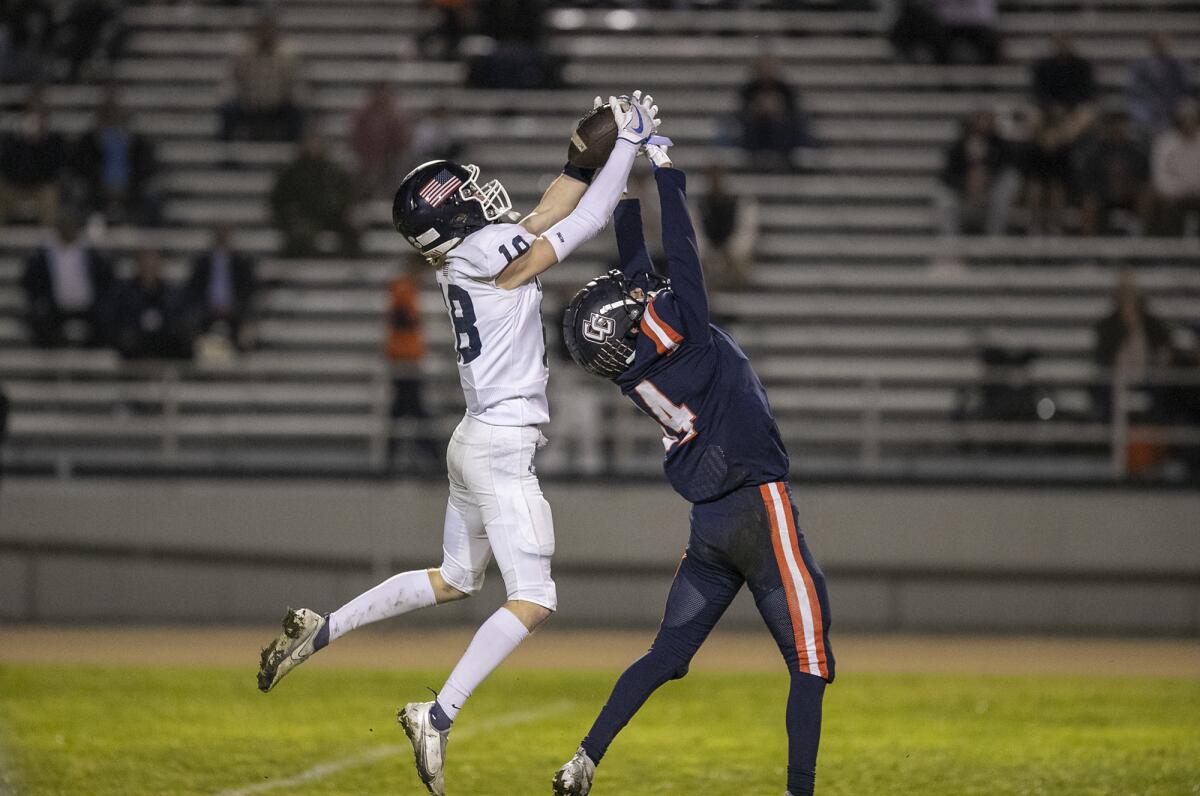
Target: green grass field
(92, 730)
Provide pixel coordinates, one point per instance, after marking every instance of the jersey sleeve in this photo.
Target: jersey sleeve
(484, 254)
(662, 323)
(683, 258)
(631, 242)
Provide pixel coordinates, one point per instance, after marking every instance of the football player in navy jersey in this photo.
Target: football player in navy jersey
(724, 454)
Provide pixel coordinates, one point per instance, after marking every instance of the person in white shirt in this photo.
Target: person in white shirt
(1175, 170)
(487, 268)
(67, 288)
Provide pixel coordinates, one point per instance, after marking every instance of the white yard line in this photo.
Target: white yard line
(329, 767)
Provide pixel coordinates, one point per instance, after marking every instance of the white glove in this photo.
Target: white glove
(655, 150)
(637, 123)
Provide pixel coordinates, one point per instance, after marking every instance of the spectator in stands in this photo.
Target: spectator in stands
(728, 227)
(266, 88)
(1064, 88)
(1156, 85)
(1064, 77)
(772, 121)
(435, 136)
(4, 406)
(26, 40)
(31, 164)
(88, 25)
(149, 316)
(117, 166)
(313, 194)
(917, 32)
(969, 32)
(1130, 339)
(576, 440)
(405, 351)
(220, 291)
(380, 141)
(980, 175)
(1115, 176)
(452, 21)
(1047, 168)
(517, 58)
(1176, 171)
(67, 289)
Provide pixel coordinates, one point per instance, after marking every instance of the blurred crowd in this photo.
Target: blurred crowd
(1072, 160)
(78, 297)
(1068, 160)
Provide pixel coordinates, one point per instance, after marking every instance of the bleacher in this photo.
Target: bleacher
(865, 323)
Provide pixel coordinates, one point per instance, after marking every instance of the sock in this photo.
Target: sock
(397, 595)
(804, 732)
(494, 641)
(322, 639)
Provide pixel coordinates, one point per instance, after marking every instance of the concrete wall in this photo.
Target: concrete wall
(1118, 560)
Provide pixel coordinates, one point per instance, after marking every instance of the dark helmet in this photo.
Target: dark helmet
(441, 202)
(599, 324)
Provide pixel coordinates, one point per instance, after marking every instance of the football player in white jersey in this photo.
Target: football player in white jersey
(487, 271)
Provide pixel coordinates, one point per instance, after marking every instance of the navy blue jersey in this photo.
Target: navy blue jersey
(687, 373)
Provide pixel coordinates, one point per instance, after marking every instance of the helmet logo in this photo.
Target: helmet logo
(599, 328)
(440, 188)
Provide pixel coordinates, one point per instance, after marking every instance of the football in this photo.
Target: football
(593, 138)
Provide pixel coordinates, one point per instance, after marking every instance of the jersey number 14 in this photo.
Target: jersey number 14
(678, 422)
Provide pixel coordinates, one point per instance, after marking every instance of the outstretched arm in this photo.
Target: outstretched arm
(591, 214)
(558, 201)
(679, 244)
(631, 242)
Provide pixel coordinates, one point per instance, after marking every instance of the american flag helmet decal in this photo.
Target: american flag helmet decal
(440, 188)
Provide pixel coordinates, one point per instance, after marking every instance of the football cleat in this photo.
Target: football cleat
(292, 648)
(429, 745)
(575, 778)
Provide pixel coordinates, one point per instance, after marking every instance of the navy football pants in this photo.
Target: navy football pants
(748, 537)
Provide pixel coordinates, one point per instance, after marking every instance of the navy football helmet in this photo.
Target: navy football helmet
(600, 324)
(441, 202)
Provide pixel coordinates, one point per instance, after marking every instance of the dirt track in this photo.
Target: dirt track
(568, 649)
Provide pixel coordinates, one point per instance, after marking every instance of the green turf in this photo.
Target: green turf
(81, 730)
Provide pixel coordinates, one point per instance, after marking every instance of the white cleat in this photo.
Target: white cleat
(292, 648)
(429, 745)
(575, 778)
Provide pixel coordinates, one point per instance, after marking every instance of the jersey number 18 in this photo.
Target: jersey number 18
(462, 315)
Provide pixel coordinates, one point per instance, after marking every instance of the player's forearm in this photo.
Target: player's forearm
(679, 243)
(597, 203)
(557, 203)
(631, 241)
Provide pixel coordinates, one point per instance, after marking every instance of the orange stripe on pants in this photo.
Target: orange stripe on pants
(813, 603)
(785, 575)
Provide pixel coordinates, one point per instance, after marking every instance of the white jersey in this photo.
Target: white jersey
(498, 333)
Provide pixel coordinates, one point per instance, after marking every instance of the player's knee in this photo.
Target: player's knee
(530, 614)
(452, 583)
(670, 662)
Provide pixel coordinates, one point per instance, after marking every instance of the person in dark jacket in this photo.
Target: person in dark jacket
(772, 122)
(67, 290)
(117, 166)
(1064, 77)
(31, 163)
(148, 314)
(313, 194)
(221, 289)
(1130, 340)
(978, 172)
